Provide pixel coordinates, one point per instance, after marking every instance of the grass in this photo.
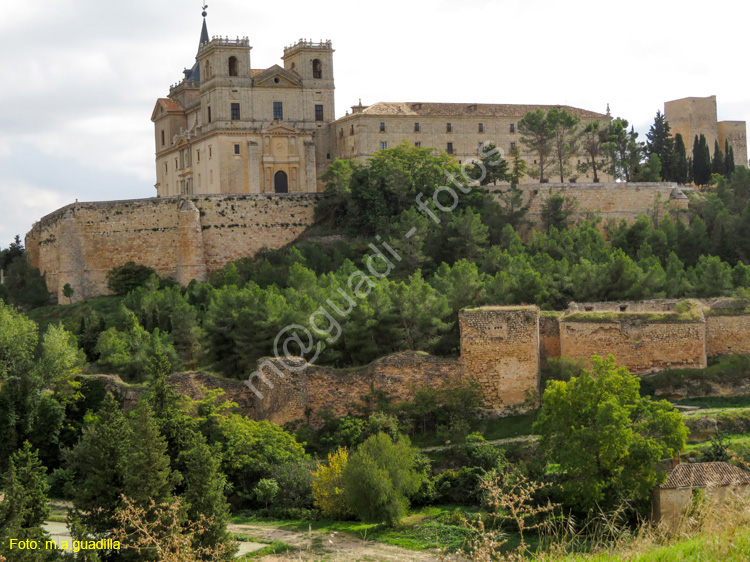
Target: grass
(424, 529)
(70, 315)
(491, 429)
(742, 401)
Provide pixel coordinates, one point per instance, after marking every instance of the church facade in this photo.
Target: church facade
(227, 128)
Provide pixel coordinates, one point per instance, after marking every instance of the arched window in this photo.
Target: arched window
(281, 182)
(317, 69)
(232, 66)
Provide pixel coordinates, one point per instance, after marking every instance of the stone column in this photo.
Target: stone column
(253, 163)
(191, 258)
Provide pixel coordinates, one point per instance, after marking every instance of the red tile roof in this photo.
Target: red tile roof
(469, 109)
(705, 474)
(170, 105)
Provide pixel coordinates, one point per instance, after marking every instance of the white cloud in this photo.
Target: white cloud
(25, 200)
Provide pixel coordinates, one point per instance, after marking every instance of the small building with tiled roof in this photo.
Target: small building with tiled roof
(460, 129)
(716, 480)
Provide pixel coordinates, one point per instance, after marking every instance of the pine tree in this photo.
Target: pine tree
(661, 143)
(25, 507)
(717, 164)
(679, 166)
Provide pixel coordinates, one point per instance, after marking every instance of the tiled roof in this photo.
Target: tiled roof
(255, 71)
(469, 109)
(170, 105)
(704, 474)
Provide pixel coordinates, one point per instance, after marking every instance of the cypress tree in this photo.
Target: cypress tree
(701, 161)
(717, 164)
(25, 507)
(729, 160)
(679, 167)
(661, 143)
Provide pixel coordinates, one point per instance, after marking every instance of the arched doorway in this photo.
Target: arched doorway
(281, 182)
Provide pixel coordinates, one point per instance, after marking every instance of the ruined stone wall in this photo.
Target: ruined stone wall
(638, 343)
(500, 350)
(614, 201)
(182, 237)
(727, 334)
(297, 393)
(549, 336)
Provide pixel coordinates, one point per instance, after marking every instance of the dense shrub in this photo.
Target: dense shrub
(124, 278)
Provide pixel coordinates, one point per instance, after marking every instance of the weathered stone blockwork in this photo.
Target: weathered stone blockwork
(500, 350)
(182, 237)
(641, 336)
(615, 201)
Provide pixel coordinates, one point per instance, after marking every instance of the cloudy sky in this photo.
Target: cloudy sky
(80, 79)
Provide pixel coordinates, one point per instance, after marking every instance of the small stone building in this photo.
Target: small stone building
(717, 480)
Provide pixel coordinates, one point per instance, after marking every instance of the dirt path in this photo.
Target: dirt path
(493, 442)
(331, 547)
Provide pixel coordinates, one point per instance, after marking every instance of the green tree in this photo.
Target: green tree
(25, 508)
(379, 477)
(518, 167)
(491, 168)
(606, 438)
(661, 143)
(68, 292)
(24, 285)
(717, 163)
(701, 161)
(592, 140)
(556, 211)
(623, 150)
(565, 138)
(332, 207)
(124, 278)
(539, 138)
(679, 166)
(203, 495)
(728, 159)
(18, 340)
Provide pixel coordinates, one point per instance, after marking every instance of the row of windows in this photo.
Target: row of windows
(185, 158)
(317, 68)
(278, 114)
(448, 148)
(448, 128)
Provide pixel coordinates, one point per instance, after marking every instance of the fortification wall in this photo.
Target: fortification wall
(612, 200)
(639, 344)
(500, 350)
(296, 393)
(549, 336)
(182, 237)
(727, 334)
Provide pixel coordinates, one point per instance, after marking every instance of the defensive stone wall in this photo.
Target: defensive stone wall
(500, 350)
(641, 336)
(182, 237)
(612, 201)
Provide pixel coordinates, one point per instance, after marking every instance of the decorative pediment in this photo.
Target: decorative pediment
(166, 105)
(281, 129)
(277, 77)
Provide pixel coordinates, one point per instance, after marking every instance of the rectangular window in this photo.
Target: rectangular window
(236, 148)
(235, 112)
(209, 114)
(210, 152)
(448, 128)
(278, 110)
(416, 127)
(383, 145)
(163, 141)
(481, 127)
(318, 112)
(418, 144)
(449, 148)
(198, 155)
(175, 164)
(382, 127)
(512, 127)
(166, 168)
(512, 146)
(351, 131)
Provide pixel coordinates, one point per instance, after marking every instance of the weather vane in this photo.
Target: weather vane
(204, 14)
